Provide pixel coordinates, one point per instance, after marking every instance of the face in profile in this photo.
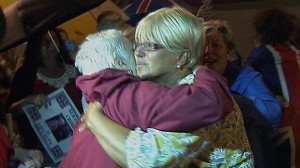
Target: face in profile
(216, 53)
(154, 61)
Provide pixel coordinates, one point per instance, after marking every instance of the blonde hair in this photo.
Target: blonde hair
(220, 25)
(174, 28)
(105, 49)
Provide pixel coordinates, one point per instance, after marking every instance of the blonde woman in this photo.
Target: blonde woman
(169, 61)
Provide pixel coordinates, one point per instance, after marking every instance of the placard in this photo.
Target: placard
(54, 124)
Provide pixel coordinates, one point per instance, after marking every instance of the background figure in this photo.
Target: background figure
(47, 67)
(70, 44)
(113, 20)
(260, 108)
(296, 36)
(11, 156)
(278, 61)
(219, 55)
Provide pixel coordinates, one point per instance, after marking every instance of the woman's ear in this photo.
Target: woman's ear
(183, 59)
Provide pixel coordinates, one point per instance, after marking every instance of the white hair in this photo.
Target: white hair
(105, 49)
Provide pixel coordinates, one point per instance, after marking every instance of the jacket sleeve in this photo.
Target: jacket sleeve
(133, 103)
(252, 86)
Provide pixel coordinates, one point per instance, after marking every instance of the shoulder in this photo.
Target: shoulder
(249, 71)
(249, 75)
(259, 51)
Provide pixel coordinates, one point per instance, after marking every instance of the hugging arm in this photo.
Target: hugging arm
(109, 134)
(127, 147)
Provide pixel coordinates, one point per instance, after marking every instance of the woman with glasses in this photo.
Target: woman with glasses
(169, 62)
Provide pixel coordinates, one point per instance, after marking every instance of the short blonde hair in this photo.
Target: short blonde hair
(105, 49)
(174, 28)
(221, 25)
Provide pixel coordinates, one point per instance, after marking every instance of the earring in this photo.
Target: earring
(129, 71)
(178, 66)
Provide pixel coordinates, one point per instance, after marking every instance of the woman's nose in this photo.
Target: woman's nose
(138, 52)
(206, 49)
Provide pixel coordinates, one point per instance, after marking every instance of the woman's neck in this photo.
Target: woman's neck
(52, 71)
(172, 79)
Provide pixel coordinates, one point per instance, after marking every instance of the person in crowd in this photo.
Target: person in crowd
(113, 20)
(156, 49)
(241, 79)
(47, 67)
(296, 37)
(9, 155)
(278, 62)
(259, 106)
(70, 44)
(109, 20)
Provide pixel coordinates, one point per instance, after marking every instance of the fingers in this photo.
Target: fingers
(42, 100)
(38, 100)
(94, 106)
(97, 104)
(24, 155)
(82, 127)
(90, 113)
(37, 156)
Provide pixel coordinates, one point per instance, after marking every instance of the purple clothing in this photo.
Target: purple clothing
(135, 103)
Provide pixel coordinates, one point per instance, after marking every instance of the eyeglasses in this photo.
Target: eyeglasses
(147, 46)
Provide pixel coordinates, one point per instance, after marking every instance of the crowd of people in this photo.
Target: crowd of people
(169, 91)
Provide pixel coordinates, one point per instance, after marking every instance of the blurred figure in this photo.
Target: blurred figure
(113, 20)
(260, 108)
(47, 67)
(296, 36)
(278, 62)
(70, 44)
(10, 156)
(243, 80)
(108, 20)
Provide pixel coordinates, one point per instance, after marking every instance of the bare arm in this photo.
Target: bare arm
(140, 145)
(109, 134)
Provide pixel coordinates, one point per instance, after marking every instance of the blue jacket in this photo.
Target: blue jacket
(247, 82)
(262, 60)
